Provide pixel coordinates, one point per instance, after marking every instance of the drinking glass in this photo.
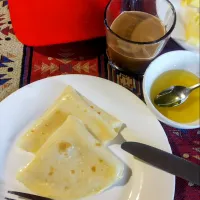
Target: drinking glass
(135, 56)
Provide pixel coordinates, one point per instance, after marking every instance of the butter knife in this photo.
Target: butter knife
(164, 161)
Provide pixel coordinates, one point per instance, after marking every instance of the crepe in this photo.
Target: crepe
(100, 123)
(71, 164)
(112, 121)
(192, 29)
(192, 21)
(192, 3)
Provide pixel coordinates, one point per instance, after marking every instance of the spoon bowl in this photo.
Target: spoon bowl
(174, 96)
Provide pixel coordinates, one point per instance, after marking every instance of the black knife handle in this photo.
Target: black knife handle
(164, 161)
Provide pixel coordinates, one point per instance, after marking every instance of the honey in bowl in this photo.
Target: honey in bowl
(187, 112)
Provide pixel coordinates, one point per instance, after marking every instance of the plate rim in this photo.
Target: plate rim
(182, 43)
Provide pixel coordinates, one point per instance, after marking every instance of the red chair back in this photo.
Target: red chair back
(47, 22)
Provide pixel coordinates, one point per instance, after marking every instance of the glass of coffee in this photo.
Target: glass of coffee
(137, 31)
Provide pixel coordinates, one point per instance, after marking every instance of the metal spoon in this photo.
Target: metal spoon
(174, 96)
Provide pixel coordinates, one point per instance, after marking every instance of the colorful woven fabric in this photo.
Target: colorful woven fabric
(11, 53)
(21, 65)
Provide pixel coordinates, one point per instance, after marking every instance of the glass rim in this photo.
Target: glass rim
(142, 43)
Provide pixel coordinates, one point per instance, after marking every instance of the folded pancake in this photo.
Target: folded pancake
(69, 103)
(113, 121)
(71, 164)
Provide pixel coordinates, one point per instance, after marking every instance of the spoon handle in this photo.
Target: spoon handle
(194, 87)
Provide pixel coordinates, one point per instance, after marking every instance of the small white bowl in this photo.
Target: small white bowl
(174, 60)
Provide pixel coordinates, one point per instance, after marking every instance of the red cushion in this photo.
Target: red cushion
(46, 22)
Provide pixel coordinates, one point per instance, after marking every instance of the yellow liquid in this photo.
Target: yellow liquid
(189, 111)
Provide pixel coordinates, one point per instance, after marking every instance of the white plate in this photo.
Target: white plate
(179, 31)
(21, 108)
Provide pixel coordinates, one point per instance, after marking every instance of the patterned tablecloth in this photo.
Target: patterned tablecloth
(21, 65)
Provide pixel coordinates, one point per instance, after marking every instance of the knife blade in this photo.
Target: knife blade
(164, 161)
